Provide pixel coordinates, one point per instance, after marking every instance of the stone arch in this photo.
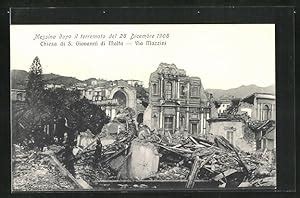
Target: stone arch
(129, 93)
(266, 112)
(121, 97)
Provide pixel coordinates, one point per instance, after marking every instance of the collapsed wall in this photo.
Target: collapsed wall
(144, 159)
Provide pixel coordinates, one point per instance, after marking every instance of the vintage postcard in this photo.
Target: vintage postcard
(143, 107)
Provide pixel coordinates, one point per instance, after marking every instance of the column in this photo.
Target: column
(261, 111)
(204, 123)
(178, 89)
(113, 113)
(188, 90)
(272, 114)
(174, 89)
(187, 118)
(161, 86)
(258, 112)
(161, 118)
(177, 116)
(201, 121)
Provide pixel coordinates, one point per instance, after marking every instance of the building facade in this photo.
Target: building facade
(235, 130)
(176, 102)
(111, 97)
(252, 127)
(259, 106)
(265, 134)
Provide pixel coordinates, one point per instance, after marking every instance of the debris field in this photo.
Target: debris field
(136, 157)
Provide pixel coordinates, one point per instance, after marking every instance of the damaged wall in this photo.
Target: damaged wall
(147, 116)
(235, 131)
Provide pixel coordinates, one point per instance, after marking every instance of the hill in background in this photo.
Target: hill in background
(19, 81)
(240, 92)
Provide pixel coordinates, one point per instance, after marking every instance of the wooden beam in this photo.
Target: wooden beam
(175, 150)
(193, 140)
(80, 182)
(195, 169)
(224, 174)
(193, 173)
(114, 155)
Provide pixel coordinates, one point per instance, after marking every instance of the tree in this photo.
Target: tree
(35, 84)
(88, 116)
(141, 93)
(59, 100)
(217, 104)
(29, 116)
(44, 107)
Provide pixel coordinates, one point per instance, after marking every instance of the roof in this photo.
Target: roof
(224, 119)
(230, 117)
(167, 69)
(259, 125)
(250, 98)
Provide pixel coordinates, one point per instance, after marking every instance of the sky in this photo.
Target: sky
(223, 55)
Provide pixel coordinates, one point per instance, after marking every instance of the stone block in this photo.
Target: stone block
(144, 159)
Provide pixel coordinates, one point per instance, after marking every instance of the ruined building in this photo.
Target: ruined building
(176, 102)
(254, 131)
(259, 106)
(112, 97)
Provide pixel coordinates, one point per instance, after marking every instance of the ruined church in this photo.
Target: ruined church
(177, 102)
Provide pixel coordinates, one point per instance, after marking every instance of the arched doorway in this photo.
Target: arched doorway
(125, 97)
(266, 112)
(121, 98)
(140, 118)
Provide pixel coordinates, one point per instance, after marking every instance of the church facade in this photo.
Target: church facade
(177, 102)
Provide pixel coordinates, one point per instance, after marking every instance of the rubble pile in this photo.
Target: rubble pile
(168, 172)
(178, 137)
(220, 161)
(179, 158)
(93, 172)
(34, 171)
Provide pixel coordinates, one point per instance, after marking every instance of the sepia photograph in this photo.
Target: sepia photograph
(110, 107)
